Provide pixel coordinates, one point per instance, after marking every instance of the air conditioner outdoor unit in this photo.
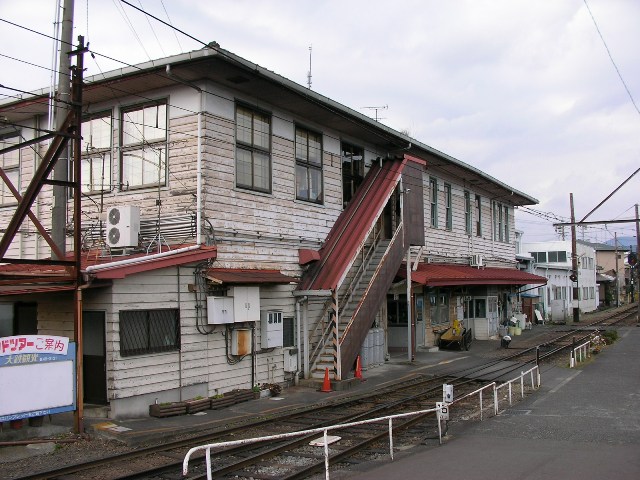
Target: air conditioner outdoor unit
(123, 226)
(477, 260)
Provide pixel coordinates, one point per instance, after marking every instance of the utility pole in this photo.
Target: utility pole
(63, 100)
(635, 269)
(615, 237)
(574, 263)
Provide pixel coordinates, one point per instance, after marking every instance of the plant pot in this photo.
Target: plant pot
(197, 405)
(167, 409)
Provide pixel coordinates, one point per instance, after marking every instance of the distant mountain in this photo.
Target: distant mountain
(624, 242)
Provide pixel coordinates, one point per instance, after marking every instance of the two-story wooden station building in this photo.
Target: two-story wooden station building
(238, 229)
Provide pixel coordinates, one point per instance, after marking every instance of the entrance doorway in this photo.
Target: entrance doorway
(94, 368)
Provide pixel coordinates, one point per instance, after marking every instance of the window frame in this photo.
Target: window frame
(145, 146)
(87, 159)
(433, 193)
(467, 213)
(12, 171)
(254, 149)
(148, 349)
(478, 207)
(448, 206)
(353, 176)
(305, 163)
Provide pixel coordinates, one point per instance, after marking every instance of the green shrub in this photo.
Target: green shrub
(610, 336)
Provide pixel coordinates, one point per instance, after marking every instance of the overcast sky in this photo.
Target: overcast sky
(523, 90)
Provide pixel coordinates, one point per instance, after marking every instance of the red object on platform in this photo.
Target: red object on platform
(358, 373)
(326, 385)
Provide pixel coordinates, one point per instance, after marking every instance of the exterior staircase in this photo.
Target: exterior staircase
(358, 263)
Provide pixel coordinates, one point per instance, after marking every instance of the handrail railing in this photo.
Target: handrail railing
(582, 351)
(439, 410)
(324, 430)
(521, 378)
(367, 254)
(395, 237)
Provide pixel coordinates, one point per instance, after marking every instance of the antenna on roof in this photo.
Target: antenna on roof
(309, 72)
(384, 107)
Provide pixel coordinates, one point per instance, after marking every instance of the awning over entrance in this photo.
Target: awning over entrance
(248, 276)
(440, 275)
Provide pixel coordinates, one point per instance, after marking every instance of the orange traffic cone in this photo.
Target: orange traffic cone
(358, 373)
(326, 385)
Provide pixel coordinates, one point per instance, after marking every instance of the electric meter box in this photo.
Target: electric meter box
(271, 329)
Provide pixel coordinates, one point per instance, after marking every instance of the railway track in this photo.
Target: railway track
(294, 459)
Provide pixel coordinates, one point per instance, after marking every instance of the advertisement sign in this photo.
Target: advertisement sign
(38, 376)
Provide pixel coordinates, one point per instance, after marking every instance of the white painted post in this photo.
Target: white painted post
(495, 399)
(480, 405)
(439, 426)
(391, 437)
(208, 462)
(326, 455)
(510, 403)
(522, 384)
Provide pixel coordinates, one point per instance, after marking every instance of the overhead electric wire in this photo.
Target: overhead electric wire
(124, 15)
(611, 58)
(171, 24)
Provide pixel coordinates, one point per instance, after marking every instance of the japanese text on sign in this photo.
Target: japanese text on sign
(33, 344)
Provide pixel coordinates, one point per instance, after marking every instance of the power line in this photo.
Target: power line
(611, 57)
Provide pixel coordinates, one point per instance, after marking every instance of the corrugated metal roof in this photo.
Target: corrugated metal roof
(440, 275)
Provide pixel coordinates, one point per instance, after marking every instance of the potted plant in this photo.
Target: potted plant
(197, 404)
(167, 409)
(256, 391)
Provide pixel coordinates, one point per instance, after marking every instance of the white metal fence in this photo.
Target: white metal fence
(389, 419)
(579, 354)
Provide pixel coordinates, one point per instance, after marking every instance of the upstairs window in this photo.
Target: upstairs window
(144, 146)
(505, 237)
(433, 192)
(253, 150)
(352, 171)
(467, 212)
(478, 216)
(308, 165)
(448, 206)
(10, 164)
(96, 153)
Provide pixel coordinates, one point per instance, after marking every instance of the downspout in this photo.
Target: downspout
(180, 350)
(199, 175)
(296, 378)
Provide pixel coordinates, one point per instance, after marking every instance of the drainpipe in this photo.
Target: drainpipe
(199, 174)
(296, 378)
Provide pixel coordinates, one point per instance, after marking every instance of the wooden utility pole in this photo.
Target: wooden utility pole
(574, 263)
(635, 269)
(615, 236)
